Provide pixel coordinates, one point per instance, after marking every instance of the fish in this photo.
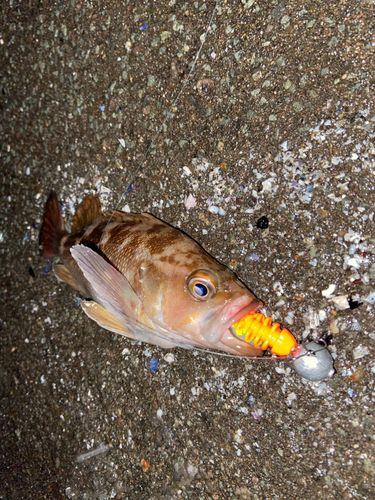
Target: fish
(140, 277)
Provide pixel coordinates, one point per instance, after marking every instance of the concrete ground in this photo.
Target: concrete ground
(271, 114)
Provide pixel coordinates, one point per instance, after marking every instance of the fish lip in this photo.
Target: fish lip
(252, 306)
(231, 313)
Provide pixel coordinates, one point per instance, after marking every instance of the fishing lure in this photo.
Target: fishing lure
(258, 329)
(312, 361)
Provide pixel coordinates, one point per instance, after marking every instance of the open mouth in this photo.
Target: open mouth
(232, 313)
(237, 312)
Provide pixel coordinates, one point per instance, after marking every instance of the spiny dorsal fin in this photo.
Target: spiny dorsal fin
(87, 212)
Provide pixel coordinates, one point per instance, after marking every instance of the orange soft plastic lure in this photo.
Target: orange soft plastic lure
(257, 329)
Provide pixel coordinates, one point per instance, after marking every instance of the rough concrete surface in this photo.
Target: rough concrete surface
(270, 115)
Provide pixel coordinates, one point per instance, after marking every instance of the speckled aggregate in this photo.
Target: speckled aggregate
(268, 113)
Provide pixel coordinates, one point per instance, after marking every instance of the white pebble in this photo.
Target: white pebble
(336, 160)
(190, 202)
(238, 436)
(360, 351)
(341, 302)
(290, 398)
(159, 413)
(169, 358)
(216, 210)
(354, 262)
(284, 146)
(192, 470)
(322, 315)
(320, 390)
(269, 185)
(328, 292)
(352, 236)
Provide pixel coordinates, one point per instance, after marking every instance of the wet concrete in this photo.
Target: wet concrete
(271, 115)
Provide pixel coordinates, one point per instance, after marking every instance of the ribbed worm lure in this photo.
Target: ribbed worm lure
(312, 361)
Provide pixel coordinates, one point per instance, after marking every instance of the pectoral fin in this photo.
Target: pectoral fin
(109, 287)
(104, 318)
(117, 307)
(133, 330)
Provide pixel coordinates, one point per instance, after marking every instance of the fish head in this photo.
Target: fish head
(191, 293)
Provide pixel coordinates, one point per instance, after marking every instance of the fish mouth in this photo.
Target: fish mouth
(237, 312)
(231, 313)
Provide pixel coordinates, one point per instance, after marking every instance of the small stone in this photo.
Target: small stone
(238, 436)
(250, 400)
(164, 35)
(290, 398)
(190, 202)
(360, 351)
(257, 414)
(151, 81)
(351, 392)
(216, 210)
(297, 106)
(333, 328)
(262, 222)
(341, 302)
(159, 413)
(169, 358)
(328, 292)
(256, 76)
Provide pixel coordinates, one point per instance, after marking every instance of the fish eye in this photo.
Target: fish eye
(201, 285)
(200, 289)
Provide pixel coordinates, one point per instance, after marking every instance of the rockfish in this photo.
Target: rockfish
(144, 279)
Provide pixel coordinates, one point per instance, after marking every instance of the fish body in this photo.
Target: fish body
(145, 279)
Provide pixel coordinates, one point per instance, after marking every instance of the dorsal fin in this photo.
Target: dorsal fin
(87, 212)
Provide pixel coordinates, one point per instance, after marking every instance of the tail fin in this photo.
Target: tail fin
(52, 229)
